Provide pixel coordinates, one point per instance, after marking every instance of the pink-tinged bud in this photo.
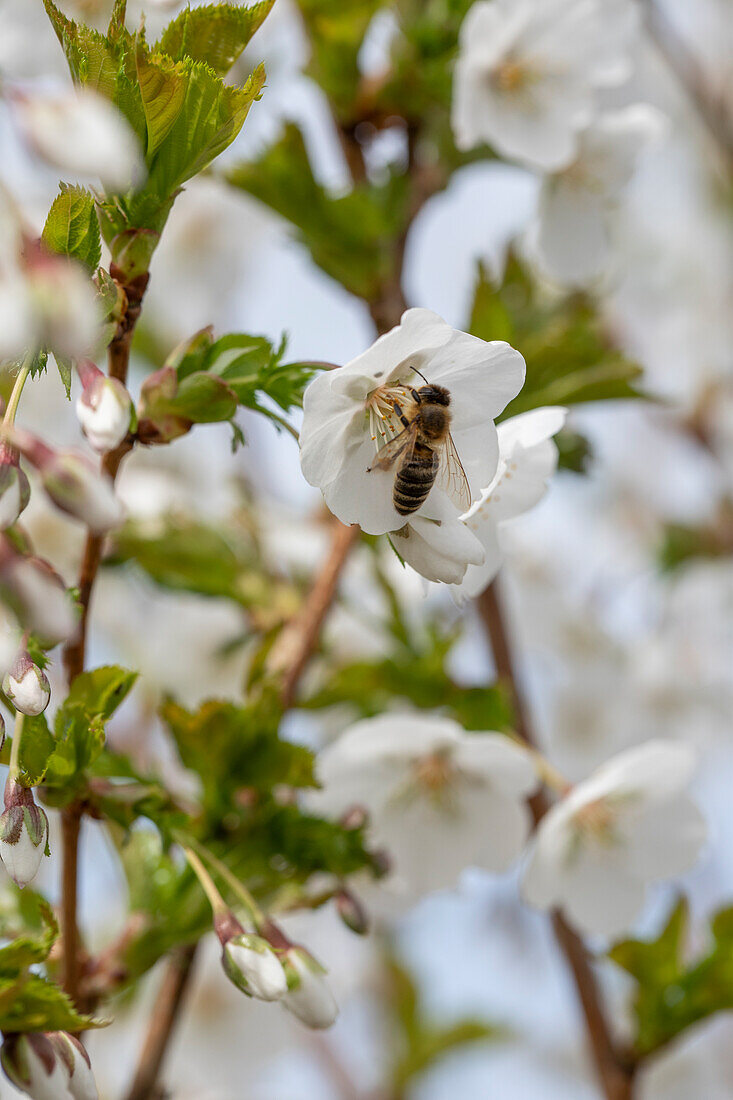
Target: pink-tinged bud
(66, 313)
(81, 1083)
(249, 961)
(309, 995)
(37, 595)
(104, 408)
(15, 490)
(32, 1064)
(50, 1065)
(27, 686)
(23, 833)
(356, 817)
(352, 912)
(72, 483)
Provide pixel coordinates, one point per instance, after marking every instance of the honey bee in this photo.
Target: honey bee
(424, 451)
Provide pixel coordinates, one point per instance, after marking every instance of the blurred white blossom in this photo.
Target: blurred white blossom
(440, 799)
(528, 72)
(80, 132)
(628, 824)
(578, 205)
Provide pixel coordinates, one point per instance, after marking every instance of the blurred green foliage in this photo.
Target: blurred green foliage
(672, 992)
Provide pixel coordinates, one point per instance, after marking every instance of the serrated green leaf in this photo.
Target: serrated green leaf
(72, 227)
(39, 363)
(36, 748)
(100, 691)
(163, 86)
(213, 33)
(569, 358)
(351, 237)
(63, 365)
(32, 1003)
(29, 949)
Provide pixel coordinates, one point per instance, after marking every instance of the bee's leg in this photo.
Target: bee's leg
(414, 394)
(400, 415)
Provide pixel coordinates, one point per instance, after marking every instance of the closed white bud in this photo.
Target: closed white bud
(50, 1065)
(27, 686)
(253, 966)
(37, 595)
(104, 408)
(309, 995)
(15, 490)
(81, 1084)
(23, 833)
(33, 1065)
(73, 483)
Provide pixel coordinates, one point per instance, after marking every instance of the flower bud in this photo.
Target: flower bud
(104, 408)
(33, 1065)
(249, 961)
(72, 483)
(15, 490)
(352, 912)
(65, 309)
(27, 686)
(309, 996)
(81, 1084)
(37, 595)
(23, 833)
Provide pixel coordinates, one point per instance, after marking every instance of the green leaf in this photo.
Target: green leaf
(168, 408)
(27, 950)
(72, 228)
(351, 237)
(32, 1003)
(673, 994)
(214, 33)
(252, 369)
(80, 721)
(36, 748)
(232, 747)
(569, 358)
(163, 86)
(64, 368)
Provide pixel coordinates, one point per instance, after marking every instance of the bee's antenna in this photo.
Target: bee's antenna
(421, 375)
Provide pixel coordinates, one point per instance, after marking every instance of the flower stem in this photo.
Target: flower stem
(14, 767)
(615, 1071)
(20, 381)
(253, 910)
(218, 905)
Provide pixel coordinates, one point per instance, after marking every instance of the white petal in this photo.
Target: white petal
(601, 896)
(483, 377)
(572, 234)
(654, 770)
(390, 358)
(529, 428)
(441, 548)
(666, 840)
(506, 764)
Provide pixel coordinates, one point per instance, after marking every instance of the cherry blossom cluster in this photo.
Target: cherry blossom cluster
(530, 82)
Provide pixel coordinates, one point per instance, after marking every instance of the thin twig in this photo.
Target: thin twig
(74, 653)
(614, 1067)
(162, 1022)
(298, 639)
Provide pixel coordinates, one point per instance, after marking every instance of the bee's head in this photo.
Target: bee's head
(434, 395)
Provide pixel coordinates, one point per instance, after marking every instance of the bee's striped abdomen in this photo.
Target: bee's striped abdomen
(415, 479)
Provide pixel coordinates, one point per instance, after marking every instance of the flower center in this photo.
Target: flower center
(510, 76)
(596, 820)
(384, 424)
(434, 772)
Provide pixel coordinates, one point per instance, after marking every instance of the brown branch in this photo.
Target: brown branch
(298, 639)
(614, 1067)
(711, 109)
(74, 652)
(162, 1022)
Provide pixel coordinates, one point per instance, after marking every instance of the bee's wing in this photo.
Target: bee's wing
(452, 477)
(402, 444)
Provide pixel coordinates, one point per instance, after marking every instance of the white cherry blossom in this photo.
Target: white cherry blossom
(253, 966)
(628, 824)
(528, 71)
(579, 205)
(439, 799)
(80, 131)
(348, 414)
